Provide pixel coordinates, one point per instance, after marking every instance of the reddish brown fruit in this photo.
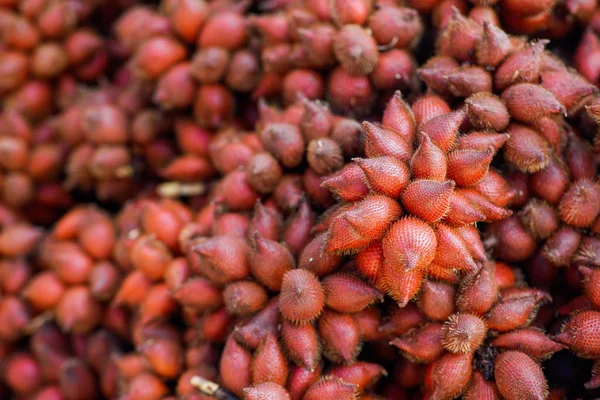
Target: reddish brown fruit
(428, 161)
(234, 367)
(267, 390)
(244, 298)
(350, 231)
(468, 80)
(385, 175)
(443, 129)
(198, 293)
(315, 258)
(399, 117)
(302, 297)
(363, 374)
(348, 294)
(227, 30)
(333, 388)
(580, 205)
(383, 141)
(302, 344)
(478, 292)
(512, 313)
(582, 334)
(427, 199)
(400, 27)
(251, 332)
(530, 341)
(350, 94)
(348, 183)
(449, 376)
(340, 335)
(493, 46)
(434, 71)
(324, 156)
(437, 300)
(511, 241)
(539, 218)
(263, 172)
(526, 149)
(526, 61)
(468, 167)
(223, 258)
(356, 50)
(349, 12)
(44, 291)
(409, 245)
(518, 376)
(459, 37)
(269, 261)
(496, 188)
(423, 345)
(487, 111)
(561, 247)
(269, 363)
(77, 311)
(463, 333)
(551, 182)
(528, 103)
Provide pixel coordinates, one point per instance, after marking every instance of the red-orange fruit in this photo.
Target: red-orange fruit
(266, 390)
(434, 71)
(369, 321)
(463, 333)
(348, 294)
(493, 46)
(400, 27)
(526, 61)
(443, 129)
(236, 192)
(288, 193)
(265, 221)
(297, 230)
(200, 294)
(436, 300)
(143, 386)
(569, 88)
(340, 335)
(451, 251)
(591, 284)
(409, 245)
(301, 344)
(480, 141)
(316, 121)
(302, 297)
(22, 374)
(369, 261)
(253, 330)
(398, 116)
(449, 376)
(551, 182)
(468, 80)
(526, 149)
(385, 175)
(18, 239)
(350, 94)
(462, 211)
(269, 363)
(350, 231)
(478, 292)
(324, 156)
(234, 367)
(512, 313)
(269, 261)
(244, 297)
(511, 241)
(428, 161)
(314, 257)
(480, 389)
(527, 102)
(133, 289)
(301, 379)
(165, 356)
(263, 172)
(223, 258)
(582, 334)
(402, 320)
(348, 183)
(361, 373)
(518, 376)
(486, 111)
(539, 218)
(44, 290)
(285, 142)
(580, 205)
(398, 283)
(580, 158)
(349, 12)
(471, 237)
(468, 167)
(530, 341)
(427, 199)
(459, 37)
(349, 134)
(329, 387)
(381, 140)
(355, 49)
(77, 311)
(151, 256)
(427, 107)
(422, 345)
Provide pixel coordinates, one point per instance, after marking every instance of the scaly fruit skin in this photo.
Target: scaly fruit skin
(415, 211)
(468, 348)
